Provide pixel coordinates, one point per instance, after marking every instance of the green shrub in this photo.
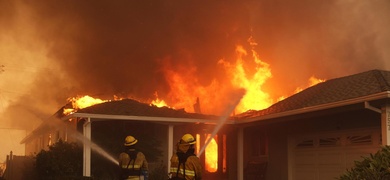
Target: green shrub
(374, 167)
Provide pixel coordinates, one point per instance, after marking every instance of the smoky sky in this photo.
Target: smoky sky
(106, 48)
(119, 47)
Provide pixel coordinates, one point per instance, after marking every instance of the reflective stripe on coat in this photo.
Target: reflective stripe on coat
(193, 168)
(139, 164)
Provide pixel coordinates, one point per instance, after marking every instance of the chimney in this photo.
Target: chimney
(197, 106)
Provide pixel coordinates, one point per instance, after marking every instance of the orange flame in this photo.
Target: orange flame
(211, 153)
(81, 102)
(214, 96)
(312, 81)
(186, 88)
(247, 72)
(255, 98)
(158, 102)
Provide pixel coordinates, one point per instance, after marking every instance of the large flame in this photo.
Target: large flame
(255, 98)
(247, 72)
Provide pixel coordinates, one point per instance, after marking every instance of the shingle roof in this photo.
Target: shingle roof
(333, 90)
(132, 107)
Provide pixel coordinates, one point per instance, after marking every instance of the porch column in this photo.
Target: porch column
(240, 153)
(170, 145)
(87, 148)
(385, 121)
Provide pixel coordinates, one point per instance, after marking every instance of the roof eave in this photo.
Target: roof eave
(377, 96)
(101, 117)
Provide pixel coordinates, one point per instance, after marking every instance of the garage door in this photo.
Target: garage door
(327, 155)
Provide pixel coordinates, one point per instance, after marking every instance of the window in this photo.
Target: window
(329, 141)
(305, 143)
(359, 139)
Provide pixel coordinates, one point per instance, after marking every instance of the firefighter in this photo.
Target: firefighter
(132, 163)
(185, 165)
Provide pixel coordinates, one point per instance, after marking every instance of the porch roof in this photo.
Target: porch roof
(130, 107)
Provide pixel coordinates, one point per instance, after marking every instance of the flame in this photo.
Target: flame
(249, 74)
(185, 88)
(312, 81)
(211, 153)
(255, 98)
(158, 102)
(81, 102)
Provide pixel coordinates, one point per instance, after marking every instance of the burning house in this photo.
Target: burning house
(196, 59)
(315, 134)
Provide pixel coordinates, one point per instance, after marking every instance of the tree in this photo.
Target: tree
(62, 161)
(374, 167)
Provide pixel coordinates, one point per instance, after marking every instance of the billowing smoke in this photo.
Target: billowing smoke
(52, 50)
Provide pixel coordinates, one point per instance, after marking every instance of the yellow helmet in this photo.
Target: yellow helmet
(188, 138)
(130, 140)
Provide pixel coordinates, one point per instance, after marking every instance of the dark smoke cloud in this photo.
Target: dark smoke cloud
(118, 47)
(104, 48)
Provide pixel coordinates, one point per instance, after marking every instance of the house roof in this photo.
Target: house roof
(125, 109)
(130, 107)
(331, 91)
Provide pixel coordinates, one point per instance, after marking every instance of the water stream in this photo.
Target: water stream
(94, 147)
(223, 118)
(80, 137)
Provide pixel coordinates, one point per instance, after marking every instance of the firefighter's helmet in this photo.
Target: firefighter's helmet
(188, 138)
(130, 140)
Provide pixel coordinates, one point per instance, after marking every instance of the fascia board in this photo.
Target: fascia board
(103, 117)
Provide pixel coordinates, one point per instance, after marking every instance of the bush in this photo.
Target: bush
(374, 167)
(62, 161)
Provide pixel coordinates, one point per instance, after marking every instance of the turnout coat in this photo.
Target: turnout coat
(190, 169)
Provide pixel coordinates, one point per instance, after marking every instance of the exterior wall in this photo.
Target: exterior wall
(278, 134)
(232, 155)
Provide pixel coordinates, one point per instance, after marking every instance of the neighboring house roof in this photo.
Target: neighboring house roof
(331, 91)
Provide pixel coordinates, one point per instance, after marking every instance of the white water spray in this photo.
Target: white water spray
(59, 124)
(94, 147)
(225, 115)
